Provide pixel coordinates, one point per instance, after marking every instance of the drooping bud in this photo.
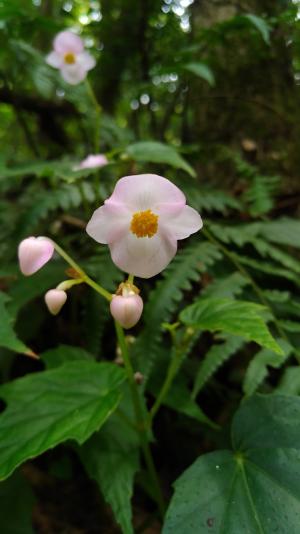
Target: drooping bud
(34, 253)
(55, 299)
(127, 310)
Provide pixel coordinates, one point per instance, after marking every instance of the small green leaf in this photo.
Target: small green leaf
(179, 399)
(260, 24)
(201, 70)
(232, 316)
(8, 338)
(155, 152)
(258, 367)
(16, 503)
(47, 408)
(254, 488)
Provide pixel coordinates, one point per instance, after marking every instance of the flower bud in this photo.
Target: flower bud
(34, 253)
(127, 310)
(55, 299)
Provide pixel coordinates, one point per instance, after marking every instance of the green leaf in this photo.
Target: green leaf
(290, 382)
(8, 338)
(260, 24)
(201, 70)
(16, 503)
(63, 354)
(258, 367)
(254, 488)
(214, 358)
(227, 287)
(111, 457)
(155, 152)
(232, 316)
(283, 231)
(47, 408)
(179, 399)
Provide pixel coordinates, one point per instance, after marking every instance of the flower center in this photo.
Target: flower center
(69, 58)
(144, 223)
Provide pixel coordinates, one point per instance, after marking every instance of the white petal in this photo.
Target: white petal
(180, 226)
(144, 256)
(86, 60)
(107, 224)
(146, 191)
(67, 41)
(73, 74)
(54, 60)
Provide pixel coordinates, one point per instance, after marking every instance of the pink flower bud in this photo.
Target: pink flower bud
(34, 253)
(92, 161)
(126, 310)
(55, 299)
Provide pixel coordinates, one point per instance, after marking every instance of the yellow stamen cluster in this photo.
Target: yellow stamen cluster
(144, 223)
(69, 58)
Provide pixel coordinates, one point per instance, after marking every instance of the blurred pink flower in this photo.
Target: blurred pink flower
(92, 161)
(141, 223)
(70, 57)
(55, 299)
(34, 253)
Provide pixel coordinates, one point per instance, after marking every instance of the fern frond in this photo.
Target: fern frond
(258, 367)
(261, 189)
(41, 203)
(163, 300)
(227, 287)
(214, 358)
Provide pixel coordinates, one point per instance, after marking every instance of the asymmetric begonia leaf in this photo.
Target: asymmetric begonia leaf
(254, 488)
(236, 317)
(47, 408)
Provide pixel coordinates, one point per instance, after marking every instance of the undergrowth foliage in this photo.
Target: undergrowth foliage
(204, 389)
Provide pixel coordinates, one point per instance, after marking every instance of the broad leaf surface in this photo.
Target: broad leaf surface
(47, 408)
(111, 457)
(253, 489)
(155, 152)
(63, 354)
(232, 316)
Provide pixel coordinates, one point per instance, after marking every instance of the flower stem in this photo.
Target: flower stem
(97, 110)
(85, 278)
(130, 278)
(141, 424)
(174, 366)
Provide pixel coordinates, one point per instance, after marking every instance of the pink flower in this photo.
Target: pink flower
(55, 299)
(70, 57)
(34, 253)
(141, 223)
(127, 310)
(93, 160)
